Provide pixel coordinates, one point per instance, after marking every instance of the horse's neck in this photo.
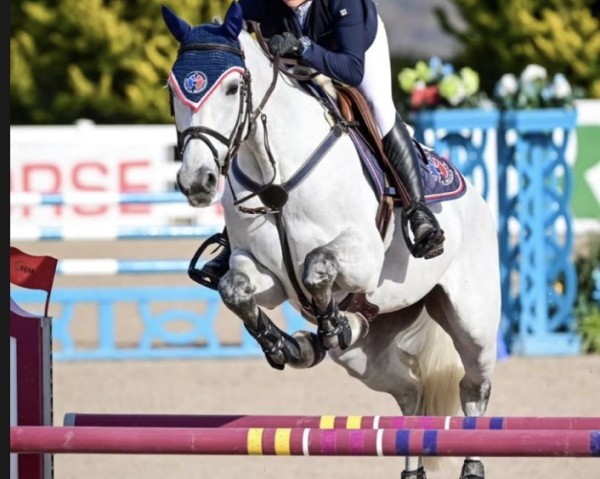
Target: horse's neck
(296, 122)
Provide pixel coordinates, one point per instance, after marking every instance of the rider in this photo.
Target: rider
(346, 40)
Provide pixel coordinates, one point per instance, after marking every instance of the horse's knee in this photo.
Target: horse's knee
(237, 292)
(320, 270)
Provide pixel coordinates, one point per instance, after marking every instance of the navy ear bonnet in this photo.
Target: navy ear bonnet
(196, 73)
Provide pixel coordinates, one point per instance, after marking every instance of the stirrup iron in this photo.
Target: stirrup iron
(199, 276)
(428, 246)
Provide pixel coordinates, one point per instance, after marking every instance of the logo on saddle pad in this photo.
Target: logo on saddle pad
(439, 170)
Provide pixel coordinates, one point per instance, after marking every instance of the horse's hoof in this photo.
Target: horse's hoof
(472, 470)
(416, 474)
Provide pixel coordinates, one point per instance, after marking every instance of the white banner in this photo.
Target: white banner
(86, 158)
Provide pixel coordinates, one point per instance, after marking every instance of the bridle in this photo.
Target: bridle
(246, 120)
(204, 133)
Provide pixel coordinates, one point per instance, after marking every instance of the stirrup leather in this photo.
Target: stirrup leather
(200, 276)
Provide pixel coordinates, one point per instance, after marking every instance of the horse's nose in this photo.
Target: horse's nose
(205, 181)
(210, 180)
(200, 185)
(181, 187)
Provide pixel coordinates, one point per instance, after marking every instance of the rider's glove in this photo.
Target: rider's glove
(286, 45)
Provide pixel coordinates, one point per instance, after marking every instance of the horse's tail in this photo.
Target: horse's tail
(440, 371)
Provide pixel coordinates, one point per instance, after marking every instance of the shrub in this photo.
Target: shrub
(587, 305)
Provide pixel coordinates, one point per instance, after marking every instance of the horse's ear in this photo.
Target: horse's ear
(177, 26)
(234, 21)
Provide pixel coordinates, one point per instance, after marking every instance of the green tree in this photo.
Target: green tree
(103, 60)
(504, 36)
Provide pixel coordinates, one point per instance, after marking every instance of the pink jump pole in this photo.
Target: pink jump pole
(331, 422)
(304, 441)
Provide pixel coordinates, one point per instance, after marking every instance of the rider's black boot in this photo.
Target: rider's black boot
(212, 271)
(402, 153)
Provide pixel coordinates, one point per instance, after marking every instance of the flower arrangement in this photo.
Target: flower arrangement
(435, 85)
(534, 89)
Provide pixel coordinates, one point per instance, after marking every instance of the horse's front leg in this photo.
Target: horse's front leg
(239, 289)
(351, 262)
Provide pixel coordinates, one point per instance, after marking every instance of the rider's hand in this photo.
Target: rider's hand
(285, 45)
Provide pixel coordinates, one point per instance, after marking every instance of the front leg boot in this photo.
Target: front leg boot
(334, 329)
(279, 347)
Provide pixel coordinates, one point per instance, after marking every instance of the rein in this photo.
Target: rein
(272, 196)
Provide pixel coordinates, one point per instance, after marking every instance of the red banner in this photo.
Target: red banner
(32, 272)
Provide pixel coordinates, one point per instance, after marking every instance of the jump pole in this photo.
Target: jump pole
(303, 441)
(330, 422)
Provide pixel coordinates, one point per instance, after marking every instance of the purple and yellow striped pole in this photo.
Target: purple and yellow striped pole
(304, 441)
(331, 422)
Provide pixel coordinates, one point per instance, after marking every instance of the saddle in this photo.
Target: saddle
(354, 108)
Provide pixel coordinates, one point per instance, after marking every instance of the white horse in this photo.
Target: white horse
(300, 214)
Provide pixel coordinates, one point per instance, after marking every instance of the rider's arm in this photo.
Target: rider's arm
(347, 63)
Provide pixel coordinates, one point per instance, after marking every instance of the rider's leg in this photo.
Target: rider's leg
(376, 87)
(402, 153)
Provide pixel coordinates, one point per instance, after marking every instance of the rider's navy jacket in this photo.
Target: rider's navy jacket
(341, 32)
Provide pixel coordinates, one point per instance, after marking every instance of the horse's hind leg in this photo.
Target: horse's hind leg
(238, 292)
(383, 365)
(329, 264)
(472, 324)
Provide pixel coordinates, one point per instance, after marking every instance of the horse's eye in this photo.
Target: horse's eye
(232, 89)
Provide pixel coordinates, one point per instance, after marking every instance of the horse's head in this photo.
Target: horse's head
(210, 100)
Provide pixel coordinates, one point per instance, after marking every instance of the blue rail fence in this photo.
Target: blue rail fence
(538, 309)
(196, 313)
(53, 233)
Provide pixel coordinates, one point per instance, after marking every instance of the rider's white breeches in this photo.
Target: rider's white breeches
(376, 85)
